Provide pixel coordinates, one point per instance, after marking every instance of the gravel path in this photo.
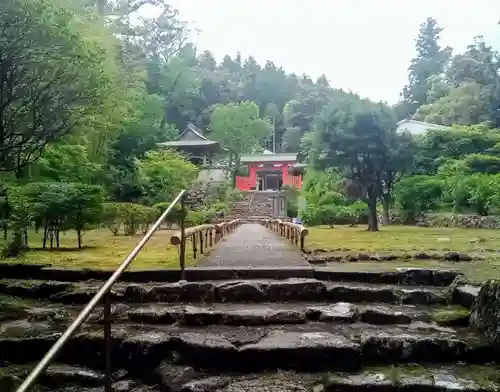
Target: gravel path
(253, 245)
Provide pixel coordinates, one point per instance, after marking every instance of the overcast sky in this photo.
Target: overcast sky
(361, 45)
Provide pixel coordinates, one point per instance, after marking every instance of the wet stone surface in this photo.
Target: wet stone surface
(264, 385)
(485, 316)
(465, 295)
(295, 350)
(223, 347)
(341, 311)
(431, 380)
(253, 245)
(177, 378)
(279, 314)
(293, 289)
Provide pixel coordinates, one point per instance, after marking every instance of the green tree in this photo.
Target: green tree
(430, 61)
(401, 150)
(67, 162)
(53, 76)
(355, 137)
(239, 129)
(292, 140)
(163, 174)
(467, 104)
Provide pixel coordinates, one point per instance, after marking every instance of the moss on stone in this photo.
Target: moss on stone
(13, 307)
(448, 315)
(482, 375)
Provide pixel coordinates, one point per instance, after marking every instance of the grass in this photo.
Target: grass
(105, 251)
(481, 244)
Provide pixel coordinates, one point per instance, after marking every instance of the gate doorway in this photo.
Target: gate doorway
(269, 180)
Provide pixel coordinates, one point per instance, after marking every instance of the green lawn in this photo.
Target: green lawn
(103, 250)
(478, 243)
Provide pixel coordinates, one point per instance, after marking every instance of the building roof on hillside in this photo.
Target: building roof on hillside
(191, 137)
(417, 127)
(272, 157)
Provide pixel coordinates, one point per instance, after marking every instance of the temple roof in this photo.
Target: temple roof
(191, 137)
(269, 157)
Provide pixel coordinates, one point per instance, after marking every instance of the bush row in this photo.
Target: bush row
(334, 214)
(57, 207)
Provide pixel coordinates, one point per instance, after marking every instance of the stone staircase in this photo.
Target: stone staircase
(325, 331)
(262, 204)
(256, 205)
(241, 209)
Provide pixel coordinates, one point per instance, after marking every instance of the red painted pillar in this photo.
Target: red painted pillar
(284, 174)
(252, 175)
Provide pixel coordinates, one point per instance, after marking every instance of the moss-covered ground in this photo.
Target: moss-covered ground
(483, 245)
(105, 251)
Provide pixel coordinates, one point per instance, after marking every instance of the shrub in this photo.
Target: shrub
(111, 217)
(418, 194)
(195, 218)
(329, 215)
(129, 215)
(173, 217)
(135, 216)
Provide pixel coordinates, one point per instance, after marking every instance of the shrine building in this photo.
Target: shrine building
(266, 172)
(270, 171)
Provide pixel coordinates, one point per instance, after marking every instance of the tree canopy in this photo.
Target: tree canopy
(89, 88)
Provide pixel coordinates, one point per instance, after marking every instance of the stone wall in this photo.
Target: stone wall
(448, 220)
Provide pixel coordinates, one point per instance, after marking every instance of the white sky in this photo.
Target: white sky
(361, 45)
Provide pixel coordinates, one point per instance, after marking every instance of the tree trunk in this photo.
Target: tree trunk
(386, 205)
(100, 7)
(236, 169)
(45, 235)
(372, 210)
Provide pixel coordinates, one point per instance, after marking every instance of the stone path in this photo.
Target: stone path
(253, 245)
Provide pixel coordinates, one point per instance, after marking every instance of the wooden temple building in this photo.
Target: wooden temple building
(195, 145)
(266, 172)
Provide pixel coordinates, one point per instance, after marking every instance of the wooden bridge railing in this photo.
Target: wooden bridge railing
(291, 231)
(205, 236)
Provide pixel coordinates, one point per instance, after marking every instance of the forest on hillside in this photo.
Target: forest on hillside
(88, 88)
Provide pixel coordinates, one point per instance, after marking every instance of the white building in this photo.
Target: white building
(418, 127)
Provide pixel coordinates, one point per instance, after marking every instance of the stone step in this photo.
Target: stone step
(408, 276)
(251, 314)
(186, 379)
(315, 346)
(293, 313)
(288, 290)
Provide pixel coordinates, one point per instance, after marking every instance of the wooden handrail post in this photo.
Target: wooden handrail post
(291, 231)
(182, 255)
(107, 343)
(201, 242)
